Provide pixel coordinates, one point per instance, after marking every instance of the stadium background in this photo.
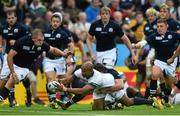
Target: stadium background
(122, 54)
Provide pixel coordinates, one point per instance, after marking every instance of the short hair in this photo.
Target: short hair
(36, 32)
(164, 6)
(151, 11)
(162, 21)
(87, 66)
(106, 9)
(10, 12)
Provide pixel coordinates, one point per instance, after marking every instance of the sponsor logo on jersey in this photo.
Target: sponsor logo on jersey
(26, 48)
(5, 30)
(47, 35)
(147, 28)
(159, 38)
(98, 29)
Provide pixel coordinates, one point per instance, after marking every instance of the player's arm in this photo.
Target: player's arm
(128, 44)
(176, 54)
(58, 52)
(1, 43)
(70, 49)
(10, 57)
(119, 84)
(82, 91)
(89, 41)
(140, 44)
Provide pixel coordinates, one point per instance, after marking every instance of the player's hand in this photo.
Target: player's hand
(135, 46)
(85, 58)
(170, 61)
(134, 59)
(68, 61)
(61, 87)
(93, 57)
(67, 52)
(15, 78)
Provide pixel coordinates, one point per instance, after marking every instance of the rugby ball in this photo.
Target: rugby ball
(52, 86)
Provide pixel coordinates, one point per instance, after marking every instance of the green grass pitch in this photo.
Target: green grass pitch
(85, 110)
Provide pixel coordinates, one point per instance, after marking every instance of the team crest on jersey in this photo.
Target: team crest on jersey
(110, 29)
(39, 49)
(154, 26)
(5, 30)
(16, 30)
(58, 35)
(147, 28)
(169, 36)
(26, 48)
(98, 29)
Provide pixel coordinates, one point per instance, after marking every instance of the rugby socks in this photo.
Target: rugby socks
(11, 95)
(11, 98)
(26, 84)
(75, 99)
(153, 87)
(165, 92)
(4, 92)
(141, 101)
(147, 93)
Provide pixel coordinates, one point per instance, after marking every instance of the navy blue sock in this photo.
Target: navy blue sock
(141, 101)
(165, 92)
(147, 93)
(153, 87)
(4, 92)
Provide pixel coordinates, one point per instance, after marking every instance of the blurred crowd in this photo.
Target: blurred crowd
(79, 14)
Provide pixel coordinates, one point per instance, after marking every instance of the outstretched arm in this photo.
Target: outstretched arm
(58, 52)
(82, 91)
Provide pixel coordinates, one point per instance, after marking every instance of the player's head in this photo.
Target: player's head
(151, 14)
(56, 20)
(11, 17)
(164, 11)
(105, 14)
(37, 37)
(162, 26)
(87, 69)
